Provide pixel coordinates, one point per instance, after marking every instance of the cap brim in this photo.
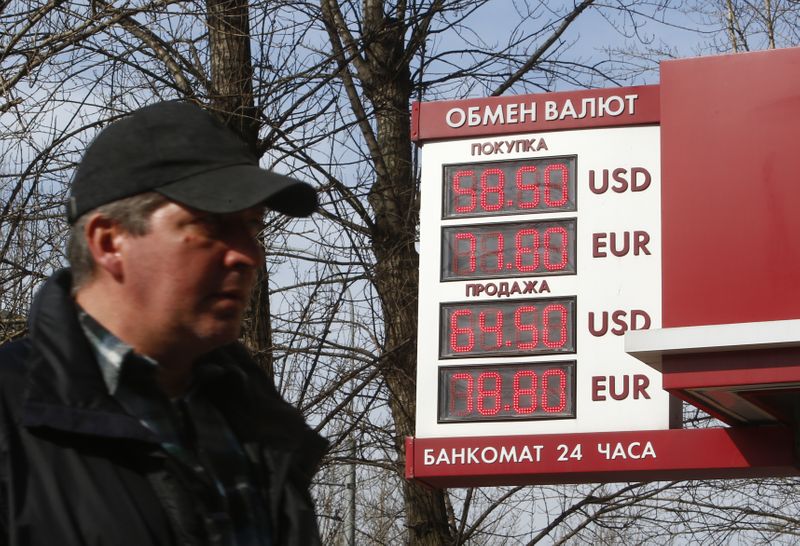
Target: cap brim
(239, 187)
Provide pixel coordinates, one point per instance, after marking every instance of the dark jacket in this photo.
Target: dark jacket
(75, 469)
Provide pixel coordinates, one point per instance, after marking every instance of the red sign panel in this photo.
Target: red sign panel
(598, 457)
(730, 201)
(535, 113)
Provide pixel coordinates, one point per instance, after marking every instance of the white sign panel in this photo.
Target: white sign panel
(537, 253)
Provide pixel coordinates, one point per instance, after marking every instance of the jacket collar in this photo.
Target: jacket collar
(66, 390)
(261, 419)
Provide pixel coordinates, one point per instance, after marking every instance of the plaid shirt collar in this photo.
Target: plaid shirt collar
(109, 350)
(194, 433)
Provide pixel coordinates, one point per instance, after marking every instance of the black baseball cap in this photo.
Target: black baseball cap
(183, 152)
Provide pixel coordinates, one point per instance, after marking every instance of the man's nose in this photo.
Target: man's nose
(244, 250)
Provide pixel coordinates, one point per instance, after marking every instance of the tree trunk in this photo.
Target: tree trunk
(231, 93)
(231, 98)
(393, 198)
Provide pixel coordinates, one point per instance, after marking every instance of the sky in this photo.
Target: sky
(594, 32)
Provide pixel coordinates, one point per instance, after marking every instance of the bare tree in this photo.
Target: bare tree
(746, 25)
(321, 90)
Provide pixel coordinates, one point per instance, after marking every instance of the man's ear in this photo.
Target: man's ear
(104, 239)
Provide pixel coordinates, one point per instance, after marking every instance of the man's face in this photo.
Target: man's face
(191, 275)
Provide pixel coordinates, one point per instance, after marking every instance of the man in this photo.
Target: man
(130, 415)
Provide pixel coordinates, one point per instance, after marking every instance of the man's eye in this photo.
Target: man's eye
(256, 226)
(208, 223)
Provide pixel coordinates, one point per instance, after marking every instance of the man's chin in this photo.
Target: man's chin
(220, 331)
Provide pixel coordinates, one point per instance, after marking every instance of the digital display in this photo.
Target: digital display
(508, 250)
(545, 390)
(509, 328)
(510, 187)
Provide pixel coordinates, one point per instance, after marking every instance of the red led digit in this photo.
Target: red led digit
(530, 326)
(560, 391)
(491, 394)
(555, 248)
(468, 191)
(498, 189)
(522, 187)
(549, 185)
(464, 393)
(560, 326)
(510, 327)
(530, 392)
(492, 244)
(527, 185)
(496, 329)
(523, 250)
(524, 392)
(456, 331)
(468, 254)
(534, 248)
